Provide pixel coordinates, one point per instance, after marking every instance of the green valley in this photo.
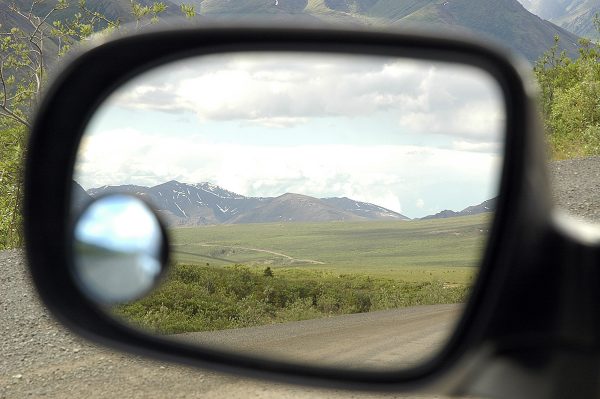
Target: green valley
(233, 276)
(393, 249)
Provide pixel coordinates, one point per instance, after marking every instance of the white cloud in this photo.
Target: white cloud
(270, 88)
(387, 175)
(397, 133)
(463, 145)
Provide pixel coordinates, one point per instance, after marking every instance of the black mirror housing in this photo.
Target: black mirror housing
(521, 220)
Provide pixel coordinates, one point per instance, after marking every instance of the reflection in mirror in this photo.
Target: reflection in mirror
(328, 209)
(118, 249)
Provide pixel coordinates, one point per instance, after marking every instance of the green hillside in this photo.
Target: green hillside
(506, 21)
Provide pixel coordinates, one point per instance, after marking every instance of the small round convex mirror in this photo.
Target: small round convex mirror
(119, 249)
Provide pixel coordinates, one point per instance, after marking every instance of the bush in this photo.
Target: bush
(200, 298)
(570, 99)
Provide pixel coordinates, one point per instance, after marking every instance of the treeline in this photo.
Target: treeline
(204, 298)
(569, 88)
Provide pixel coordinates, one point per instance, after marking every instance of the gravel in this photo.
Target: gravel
(576, 187)
(39, 358)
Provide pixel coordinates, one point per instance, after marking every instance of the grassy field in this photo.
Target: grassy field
(233, 276)
(446, 249)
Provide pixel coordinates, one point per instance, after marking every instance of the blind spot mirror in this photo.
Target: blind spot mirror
(119, 249)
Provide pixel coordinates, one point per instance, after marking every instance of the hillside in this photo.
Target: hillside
(506, 21)
(575, 16)
(294, 207)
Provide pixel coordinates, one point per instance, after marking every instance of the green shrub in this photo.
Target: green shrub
(200, 298)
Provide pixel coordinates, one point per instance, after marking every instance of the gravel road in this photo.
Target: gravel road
(38, 358)
(372, 340)
(576, 186)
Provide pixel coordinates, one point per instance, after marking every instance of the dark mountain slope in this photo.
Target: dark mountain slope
(504, 20)
(507, 21)
(79, 198)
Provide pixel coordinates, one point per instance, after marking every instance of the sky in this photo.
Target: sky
(416, 137)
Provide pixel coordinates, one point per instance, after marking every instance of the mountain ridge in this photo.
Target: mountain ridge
(506, 21)
(183, 204)
(198, 204)
(485, 206)
(576, 16)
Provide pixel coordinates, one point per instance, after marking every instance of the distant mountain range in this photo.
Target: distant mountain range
(182, 204)
(507, 21)
(486, 206)
(575, 16)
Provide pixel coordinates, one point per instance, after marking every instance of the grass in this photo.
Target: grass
(233, 276)
(446, 249)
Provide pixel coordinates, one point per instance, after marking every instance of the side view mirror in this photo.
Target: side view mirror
(327, 206)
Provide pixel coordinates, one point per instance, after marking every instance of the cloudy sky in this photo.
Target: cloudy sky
(413, 136)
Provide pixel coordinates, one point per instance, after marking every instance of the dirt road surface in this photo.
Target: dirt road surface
(40, 359)
(387, 339)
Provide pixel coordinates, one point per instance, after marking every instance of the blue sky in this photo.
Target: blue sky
(414, 137)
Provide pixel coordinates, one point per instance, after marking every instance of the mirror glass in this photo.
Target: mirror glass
(328, 209)
(117, 249)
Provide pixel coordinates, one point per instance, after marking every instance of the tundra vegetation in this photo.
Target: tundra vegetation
(237, 276)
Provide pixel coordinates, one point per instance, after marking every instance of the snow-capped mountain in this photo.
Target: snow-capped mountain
(188, 204)
(205, 203)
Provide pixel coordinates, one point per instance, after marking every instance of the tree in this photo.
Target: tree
(38, 39)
